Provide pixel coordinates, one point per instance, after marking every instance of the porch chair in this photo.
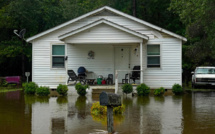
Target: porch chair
(135, 74)
(110, 79)
(74, 77)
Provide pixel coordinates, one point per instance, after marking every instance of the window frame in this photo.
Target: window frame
(62, 56)
(154, 65)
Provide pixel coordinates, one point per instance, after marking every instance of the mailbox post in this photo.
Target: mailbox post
(110, 100)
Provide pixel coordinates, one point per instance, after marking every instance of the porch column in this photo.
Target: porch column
(141, 62)
(66, 62)
(116, 82)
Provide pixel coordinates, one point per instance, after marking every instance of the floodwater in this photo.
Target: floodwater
(192, 113)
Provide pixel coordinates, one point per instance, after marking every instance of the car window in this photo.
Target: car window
(205, 70)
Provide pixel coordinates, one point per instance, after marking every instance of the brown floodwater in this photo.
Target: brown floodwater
(192, 113)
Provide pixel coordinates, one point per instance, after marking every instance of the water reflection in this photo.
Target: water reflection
(127, 101)
(80, 105)
(187, 114)
(143, 100)
(31, 99)
(58, 125)
(199, 110)
(15, 116)
(102, 118)
(159, 99)
(62, 99)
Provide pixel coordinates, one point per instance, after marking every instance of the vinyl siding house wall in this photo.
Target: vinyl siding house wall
(119, 41)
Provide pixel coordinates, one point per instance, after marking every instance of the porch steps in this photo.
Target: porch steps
(96, 91)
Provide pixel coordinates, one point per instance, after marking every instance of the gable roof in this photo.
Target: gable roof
(111, 10)
(103, 21)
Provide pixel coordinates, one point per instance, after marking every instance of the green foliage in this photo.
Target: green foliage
(159, 91)
(177, 89)
(197, 15)
(142, 90)
(127, 88)
(30, 88)
(62, 89)
(3, 83)
(42, 91)
(81, 89)
(119, 109)
(97, 109)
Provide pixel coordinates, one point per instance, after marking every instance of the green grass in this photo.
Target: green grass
(6, 89)
(199, 89)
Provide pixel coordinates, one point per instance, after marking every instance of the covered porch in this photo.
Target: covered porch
(103, 48)
(115, 59)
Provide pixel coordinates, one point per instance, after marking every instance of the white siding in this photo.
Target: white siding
(43, 75)
(170, 71)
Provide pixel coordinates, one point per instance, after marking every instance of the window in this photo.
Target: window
(153, 55)
(58, 54)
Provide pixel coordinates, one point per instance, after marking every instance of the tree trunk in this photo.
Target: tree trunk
(134, 8)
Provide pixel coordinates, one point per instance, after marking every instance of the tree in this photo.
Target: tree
(199, 18)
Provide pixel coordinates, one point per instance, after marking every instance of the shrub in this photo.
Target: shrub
(143, 90)
(177, 89)
(81, 89)
(62, 89)
(97, 109)
(159, 91)
(43, 91)
(127, 88)
(30, 88)
(3, 83)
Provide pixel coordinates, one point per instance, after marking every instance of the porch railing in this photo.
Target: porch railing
(116, 77)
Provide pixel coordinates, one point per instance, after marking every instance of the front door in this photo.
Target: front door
(122, 61)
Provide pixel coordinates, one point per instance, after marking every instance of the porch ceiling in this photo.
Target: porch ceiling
(103, 21)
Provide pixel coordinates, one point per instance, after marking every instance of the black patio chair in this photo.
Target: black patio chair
(135, 74)
(74, 77)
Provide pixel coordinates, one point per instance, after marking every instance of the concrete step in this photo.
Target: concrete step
(98, 91)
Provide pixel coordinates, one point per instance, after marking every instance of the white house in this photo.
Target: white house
(119, 42)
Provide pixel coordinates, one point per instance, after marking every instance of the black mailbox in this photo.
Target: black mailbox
(110, 99)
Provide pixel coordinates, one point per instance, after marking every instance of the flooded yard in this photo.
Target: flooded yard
(187, 114)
